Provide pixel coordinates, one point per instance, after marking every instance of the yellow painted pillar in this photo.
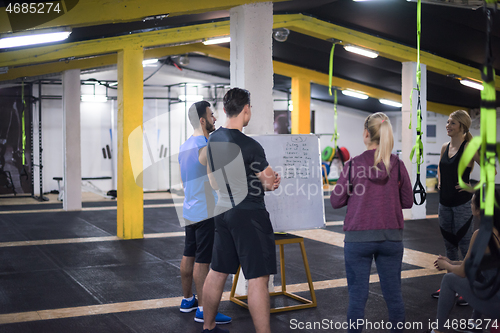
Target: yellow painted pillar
(130, 200)
(301, 101)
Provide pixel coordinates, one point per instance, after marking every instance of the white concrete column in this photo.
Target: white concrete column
(409, 136)
(72, 174)
(251, 66)
(251, 61)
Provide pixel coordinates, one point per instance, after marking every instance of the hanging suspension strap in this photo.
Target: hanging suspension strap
(418, 148)
(335, 135)
(330, 78)
(23, 172)
(482, 286)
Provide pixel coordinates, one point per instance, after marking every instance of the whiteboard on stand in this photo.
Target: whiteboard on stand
(298, 203)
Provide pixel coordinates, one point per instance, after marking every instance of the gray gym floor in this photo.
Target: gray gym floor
(66, 272)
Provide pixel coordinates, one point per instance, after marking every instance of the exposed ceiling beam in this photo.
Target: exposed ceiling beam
(220, 53)
(97, 12)
(284, 69)
(194, 33)
(57, 67)
(296, 22)
(92, 47)
(323, 30)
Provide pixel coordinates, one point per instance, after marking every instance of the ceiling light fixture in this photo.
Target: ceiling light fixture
(476, 84)
(148, 62)
(361, 51)
(355, 94)
(219, 40)
(389, 102)
(472, 84)
(33, 37)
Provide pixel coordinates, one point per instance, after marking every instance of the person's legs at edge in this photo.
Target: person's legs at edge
(388, 260)
(446, 222)
(358, 262)
(462, 215)
(204, 234)
(212, 293)
(200, 273)
(452, 284)
(187, 276)
(259, 304)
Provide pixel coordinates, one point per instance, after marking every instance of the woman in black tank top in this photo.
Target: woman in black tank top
(455, 215)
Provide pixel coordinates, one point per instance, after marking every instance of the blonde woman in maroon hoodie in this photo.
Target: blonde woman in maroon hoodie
(375, 186)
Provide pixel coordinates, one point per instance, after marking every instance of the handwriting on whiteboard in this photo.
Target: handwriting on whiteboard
(297, 159)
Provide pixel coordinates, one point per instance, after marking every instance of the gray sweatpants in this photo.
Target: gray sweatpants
(452, 284)
(451, 220)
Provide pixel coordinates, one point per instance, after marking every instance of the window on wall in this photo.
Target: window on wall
(431, 132)
(313, 121)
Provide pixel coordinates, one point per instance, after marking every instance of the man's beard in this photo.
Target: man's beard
(210, 127)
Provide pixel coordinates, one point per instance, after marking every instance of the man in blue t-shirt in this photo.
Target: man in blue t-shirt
(198, 210)
(244, 235)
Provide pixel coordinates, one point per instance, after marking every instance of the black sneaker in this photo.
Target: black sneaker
(436, 293)
(461, 301)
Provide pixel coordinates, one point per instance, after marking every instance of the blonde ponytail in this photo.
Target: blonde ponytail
(380, 129)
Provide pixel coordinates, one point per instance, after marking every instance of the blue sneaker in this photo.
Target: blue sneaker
(188, 306)
(220, 319)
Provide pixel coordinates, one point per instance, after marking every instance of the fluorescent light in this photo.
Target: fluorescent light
(472, 84)
(221, 40)
(113, 84)
(33, 38)
(391, 103)
(353, 93)
(149, 62)
(94, 98)
(361, 51)
(191, 98)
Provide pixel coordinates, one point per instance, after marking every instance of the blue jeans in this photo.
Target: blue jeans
(358, 261)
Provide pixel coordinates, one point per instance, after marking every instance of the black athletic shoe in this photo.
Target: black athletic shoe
(436, 293)
(461, 301)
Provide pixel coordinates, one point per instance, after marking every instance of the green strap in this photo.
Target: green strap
(419, 32)
(335, 135)
(418, 148)
(23, 124)
(489, 150)
(330, 70)
(330, 78)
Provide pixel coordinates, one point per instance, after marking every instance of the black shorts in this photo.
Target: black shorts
(244, 237)
(200, 240)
